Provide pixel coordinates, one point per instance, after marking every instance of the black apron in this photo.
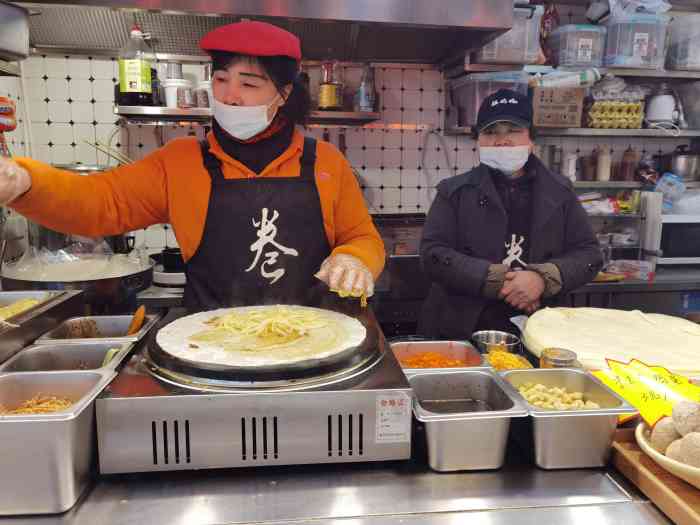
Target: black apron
(263, 239)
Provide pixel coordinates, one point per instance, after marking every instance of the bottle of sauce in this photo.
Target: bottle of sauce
(136, 60)
(366, 95)
(604, 167)
(330, 92)
(628, 167)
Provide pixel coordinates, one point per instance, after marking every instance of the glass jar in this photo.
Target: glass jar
(558, 358)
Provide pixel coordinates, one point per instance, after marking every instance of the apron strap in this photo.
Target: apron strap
(308, 159)
(211, 162)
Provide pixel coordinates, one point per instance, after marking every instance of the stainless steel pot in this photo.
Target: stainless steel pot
(682, 162)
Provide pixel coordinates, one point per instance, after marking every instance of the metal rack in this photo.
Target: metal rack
(595, 132)
(163, 115)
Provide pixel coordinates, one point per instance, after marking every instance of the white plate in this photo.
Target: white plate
(681, 470)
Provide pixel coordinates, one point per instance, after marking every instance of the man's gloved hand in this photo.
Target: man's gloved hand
(346, 275)
(14, 181)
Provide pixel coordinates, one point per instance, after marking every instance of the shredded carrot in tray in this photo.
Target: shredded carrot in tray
(436, 360)
(38, 405)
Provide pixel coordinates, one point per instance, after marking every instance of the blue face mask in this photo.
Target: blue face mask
(506, 159)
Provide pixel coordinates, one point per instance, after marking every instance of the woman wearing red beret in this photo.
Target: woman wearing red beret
(259, 210)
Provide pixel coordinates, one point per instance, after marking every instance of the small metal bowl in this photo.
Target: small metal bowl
(486, 339)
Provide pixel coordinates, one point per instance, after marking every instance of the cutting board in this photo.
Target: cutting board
(678, 500)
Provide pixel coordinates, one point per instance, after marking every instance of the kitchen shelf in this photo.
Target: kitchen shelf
(201, 115)
(465, 69)
(612, 185)
(9, 69)
(594, 132)
(342, 118)
(615, 215)
(652, 73)
(149, 113)
(679, 219)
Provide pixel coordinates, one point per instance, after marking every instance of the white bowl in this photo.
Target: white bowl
(681, 470)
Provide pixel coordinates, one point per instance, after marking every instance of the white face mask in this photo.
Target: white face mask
(243, 122)
(506, 159)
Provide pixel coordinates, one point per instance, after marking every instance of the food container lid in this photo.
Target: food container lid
(559, 356)
(638, 18)
(574, 28)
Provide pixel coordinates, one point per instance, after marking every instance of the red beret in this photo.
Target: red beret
(254, 39)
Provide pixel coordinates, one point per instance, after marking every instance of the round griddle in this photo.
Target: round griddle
(352, 358)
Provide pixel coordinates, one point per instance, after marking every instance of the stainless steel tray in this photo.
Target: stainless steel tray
(8, 298)
(60, 357)
(453, 349)
(36, 321)
(568, 438)
(462, 433)
(109, 327)
(48, 459)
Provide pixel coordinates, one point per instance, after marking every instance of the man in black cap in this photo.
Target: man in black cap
(505, 237)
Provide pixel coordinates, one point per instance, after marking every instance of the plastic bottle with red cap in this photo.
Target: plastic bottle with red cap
(135, 71)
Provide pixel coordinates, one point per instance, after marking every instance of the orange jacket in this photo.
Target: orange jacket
(171, 186)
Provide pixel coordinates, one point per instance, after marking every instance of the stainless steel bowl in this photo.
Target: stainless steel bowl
(485, 339)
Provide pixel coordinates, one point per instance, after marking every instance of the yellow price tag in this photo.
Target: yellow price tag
(653, 390)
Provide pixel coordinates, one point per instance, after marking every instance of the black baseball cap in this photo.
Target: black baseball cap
(505, 105)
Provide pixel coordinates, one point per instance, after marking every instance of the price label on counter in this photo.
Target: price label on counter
(393, 424)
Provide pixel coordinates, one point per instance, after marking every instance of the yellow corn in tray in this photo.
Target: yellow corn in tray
(17, 307)
(502, 360)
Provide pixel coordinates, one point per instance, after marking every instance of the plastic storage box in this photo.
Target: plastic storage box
(637, 41)
(467, 93)
(578, 46)
(684, 44)
(520, 45)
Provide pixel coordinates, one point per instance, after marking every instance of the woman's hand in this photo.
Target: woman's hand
(14, 181)
(347, 274)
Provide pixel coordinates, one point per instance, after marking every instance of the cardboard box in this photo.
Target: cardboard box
(557, 107)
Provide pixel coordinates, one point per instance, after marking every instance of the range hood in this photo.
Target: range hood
(420, 31)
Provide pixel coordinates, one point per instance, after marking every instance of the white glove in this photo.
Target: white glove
(14, 181)
(347, 275)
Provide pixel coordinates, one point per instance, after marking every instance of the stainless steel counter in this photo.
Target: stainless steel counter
(391, 493)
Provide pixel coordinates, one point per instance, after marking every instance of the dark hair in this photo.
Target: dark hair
(282, 70)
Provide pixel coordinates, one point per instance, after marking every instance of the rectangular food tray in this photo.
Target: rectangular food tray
(450, 349)
(108, 327)
(61, 356)
(568, 438)
(48, 459)
(467, 417)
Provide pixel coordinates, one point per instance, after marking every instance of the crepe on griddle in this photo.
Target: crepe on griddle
(261, 335)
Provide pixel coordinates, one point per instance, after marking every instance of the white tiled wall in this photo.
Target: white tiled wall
(70, 100)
